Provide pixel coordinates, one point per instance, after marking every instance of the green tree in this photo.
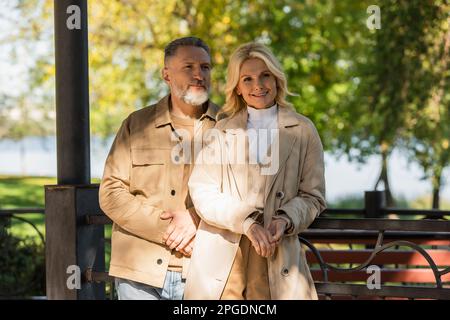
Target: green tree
(428, 143)
(364, 89)
(395, 80)
(27, 110)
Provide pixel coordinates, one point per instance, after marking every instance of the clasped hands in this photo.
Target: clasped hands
(180, 233)
(265, 240)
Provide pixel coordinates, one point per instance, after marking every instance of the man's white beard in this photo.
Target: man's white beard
(193, 98)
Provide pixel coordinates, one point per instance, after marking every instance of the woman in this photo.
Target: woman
(253, 206)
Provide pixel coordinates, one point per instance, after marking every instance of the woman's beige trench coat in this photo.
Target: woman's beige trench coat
(218, 188)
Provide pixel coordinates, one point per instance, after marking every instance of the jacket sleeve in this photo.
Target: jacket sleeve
(131, 212)
(215, 207)
(310, 200)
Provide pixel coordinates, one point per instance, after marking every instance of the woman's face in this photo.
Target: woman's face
(257, 84)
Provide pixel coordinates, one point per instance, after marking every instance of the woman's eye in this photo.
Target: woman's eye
(267, 75)
(247, 79)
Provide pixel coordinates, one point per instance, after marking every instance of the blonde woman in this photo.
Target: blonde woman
(257, 183)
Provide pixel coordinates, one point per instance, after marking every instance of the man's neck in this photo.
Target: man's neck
(183, 110)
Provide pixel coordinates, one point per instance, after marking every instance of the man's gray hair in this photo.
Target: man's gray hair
(172, 47)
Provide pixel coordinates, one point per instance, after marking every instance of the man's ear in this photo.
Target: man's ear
(165, 74)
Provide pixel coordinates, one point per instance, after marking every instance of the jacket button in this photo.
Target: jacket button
(177, 158)
(172, 192)
(280, 194)
(159, 261)
(285, 272)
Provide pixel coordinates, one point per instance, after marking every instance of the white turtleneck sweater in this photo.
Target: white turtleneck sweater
(262, 121)
(259, 145)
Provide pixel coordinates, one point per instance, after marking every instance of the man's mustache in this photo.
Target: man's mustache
(198, 84)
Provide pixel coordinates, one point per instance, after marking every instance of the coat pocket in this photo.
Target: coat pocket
(148, 171)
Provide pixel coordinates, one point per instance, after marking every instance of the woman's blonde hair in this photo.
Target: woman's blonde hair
(234, 102)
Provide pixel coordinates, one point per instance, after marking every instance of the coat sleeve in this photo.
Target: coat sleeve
(310, 200)
(215, 207)
(132, 213)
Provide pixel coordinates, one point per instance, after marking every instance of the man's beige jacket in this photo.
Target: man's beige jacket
(140, 182)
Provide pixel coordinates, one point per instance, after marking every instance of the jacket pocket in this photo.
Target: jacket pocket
(148, 172)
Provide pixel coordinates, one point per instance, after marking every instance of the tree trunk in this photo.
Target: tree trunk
(390, 201)
(436, 181)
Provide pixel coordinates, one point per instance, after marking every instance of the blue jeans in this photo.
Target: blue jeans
(173, 289)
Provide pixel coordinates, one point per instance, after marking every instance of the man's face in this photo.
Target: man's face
(188, 74)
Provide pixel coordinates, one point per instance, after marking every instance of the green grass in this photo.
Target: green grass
(16, 191)
(28, 192)
(19, 192)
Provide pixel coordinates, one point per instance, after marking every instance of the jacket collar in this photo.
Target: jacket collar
(162, 112)
(286, 118)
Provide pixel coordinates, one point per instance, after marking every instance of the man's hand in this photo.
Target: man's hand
(276, 228)
(261, 240)
(181, 229)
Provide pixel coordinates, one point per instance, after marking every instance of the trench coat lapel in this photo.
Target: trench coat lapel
(286, 139)
(236, 142)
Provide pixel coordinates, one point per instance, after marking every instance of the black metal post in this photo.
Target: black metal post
(72, 246)
(72, 92)
(375, 201)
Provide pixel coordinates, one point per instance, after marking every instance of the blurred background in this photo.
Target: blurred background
(378, 94)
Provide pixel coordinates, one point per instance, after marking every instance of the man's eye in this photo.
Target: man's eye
(205, 67)
(188, 67)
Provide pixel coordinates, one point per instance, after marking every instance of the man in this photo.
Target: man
(144, 186)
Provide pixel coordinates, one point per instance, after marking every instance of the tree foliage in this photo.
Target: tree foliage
(367, 91)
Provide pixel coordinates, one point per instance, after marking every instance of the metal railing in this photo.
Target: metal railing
(17, 214)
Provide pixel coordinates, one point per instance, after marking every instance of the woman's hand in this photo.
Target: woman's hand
(276, 228)
(261, 240)
(187, 250)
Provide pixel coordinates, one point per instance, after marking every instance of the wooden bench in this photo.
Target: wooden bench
(413, 258)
